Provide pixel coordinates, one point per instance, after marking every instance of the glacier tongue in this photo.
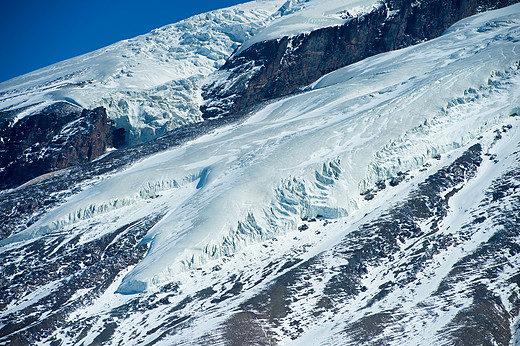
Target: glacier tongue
(311, 154)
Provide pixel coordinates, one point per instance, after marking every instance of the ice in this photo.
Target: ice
(310, 154)
(426, 313)
(148, 84)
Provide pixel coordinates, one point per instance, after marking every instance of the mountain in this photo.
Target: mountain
(148, 84)
(376, 203)
(321, 37)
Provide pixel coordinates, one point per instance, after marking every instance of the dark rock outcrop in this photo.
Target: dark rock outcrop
(90, 266)
(60, 136)
(276, 68)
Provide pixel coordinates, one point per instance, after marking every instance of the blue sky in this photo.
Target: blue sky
(37, 33)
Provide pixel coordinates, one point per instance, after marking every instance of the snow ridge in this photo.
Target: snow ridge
(304, 16)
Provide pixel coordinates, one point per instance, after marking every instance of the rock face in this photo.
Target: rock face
(276, 68)
(60, 136)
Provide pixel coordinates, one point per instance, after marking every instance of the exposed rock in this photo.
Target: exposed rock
(368, 246)
(276, 68)
(60, 136)
(90, 267)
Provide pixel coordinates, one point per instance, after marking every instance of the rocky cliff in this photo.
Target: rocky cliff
(275, 68)
(60, 136)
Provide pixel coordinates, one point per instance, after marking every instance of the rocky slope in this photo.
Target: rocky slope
(278, 67)
(60, 136)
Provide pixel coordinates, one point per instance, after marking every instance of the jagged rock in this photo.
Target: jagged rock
(60, 136)
(276, 68)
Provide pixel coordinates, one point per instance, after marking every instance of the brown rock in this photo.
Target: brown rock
(60, 136)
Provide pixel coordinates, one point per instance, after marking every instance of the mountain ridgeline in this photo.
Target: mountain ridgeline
(275, 68)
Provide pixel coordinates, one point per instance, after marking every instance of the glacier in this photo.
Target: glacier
(148, 84)
(311, 155)
(378, 205)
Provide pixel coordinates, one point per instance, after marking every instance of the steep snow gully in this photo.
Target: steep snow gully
(380, 205)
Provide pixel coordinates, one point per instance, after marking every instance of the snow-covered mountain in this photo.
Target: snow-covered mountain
(379, 204)
(148, 84)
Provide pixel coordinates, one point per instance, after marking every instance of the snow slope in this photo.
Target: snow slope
(307, 155)
(148, 84)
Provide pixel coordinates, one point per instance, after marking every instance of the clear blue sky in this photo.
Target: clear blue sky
(37, 33)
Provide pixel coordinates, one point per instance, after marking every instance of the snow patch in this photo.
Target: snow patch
(304, 16)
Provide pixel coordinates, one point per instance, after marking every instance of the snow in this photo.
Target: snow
(148, 84)
(32, 297)
(304, 16)
(425, 313)
(307, 154)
